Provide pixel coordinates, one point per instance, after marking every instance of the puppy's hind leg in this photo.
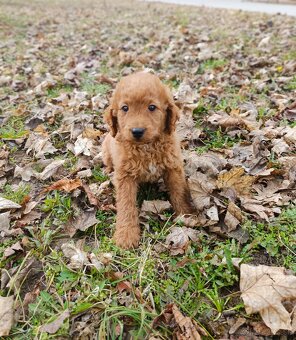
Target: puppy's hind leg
(179, 192)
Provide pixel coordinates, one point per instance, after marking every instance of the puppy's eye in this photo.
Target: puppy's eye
(151, 108)
(124, 108)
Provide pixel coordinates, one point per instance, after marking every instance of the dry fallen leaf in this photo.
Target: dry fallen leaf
(8, 204)
(65, 184)
(187, 327)
(4, 222)
(233, 216)
(184, 326)
(83, 221)
(6, 314)
(156, 206)
(237, 180)
(263, 290)
(200, 190)
(55, 325)
(78, 257)
(50, 169)
(179, 238)
(209, 164)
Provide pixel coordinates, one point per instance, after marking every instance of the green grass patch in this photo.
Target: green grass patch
(16, 195)
(278, 238)
(211, 64)
(98, 174)
(14, 128)
(291, 86)
(58, 206)
(58, 89)
(91, 86)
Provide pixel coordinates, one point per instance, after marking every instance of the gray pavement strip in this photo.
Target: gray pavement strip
(252, 6)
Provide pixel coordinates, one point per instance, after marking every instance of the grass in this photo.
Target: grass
(91, 86)
(278, 238)
(14, 128)
(18, 194)
(211, 64)
(291, 86)
(98, 174)
(58, 206)
(58, 89)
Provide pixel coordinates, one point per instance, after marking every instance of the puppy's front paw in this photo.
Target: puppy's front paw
(127, 237)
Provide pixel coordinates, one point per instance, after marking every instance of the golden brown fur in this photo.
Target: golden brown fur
(134, 160)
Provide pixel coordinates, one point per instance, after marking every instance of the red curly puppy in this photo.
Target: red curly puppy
(142, 147)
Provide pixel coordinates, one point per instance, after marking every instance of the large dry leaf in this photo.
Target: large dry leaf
(237, 180)
(78, 257)
(4, 222)
(83, 146)
(156, 206)
(50, 169)
(187, 327)
(55, 325)
(179, 239)
(184, 326)
(233, 216)
(263, 290)
(6, 314)
(209, 163)
(40, 145)
(65, 184)
(200, 190)
(254, 206)
(8, 204)
(83, 221)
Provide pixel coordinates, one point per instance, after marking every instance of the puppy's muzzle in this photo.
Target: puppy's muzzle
(138, 132)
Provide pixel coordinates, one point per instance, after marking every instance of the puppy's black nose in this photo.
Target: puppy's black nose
(138, 132)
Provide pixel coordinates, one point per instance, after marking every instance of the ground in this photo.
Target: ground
(233, 76)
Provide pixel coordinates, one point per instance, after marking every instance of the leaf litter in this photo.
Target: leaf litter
(236, 94)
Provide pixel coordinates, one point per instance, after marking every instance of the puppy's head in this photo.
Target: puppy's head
(141, 109)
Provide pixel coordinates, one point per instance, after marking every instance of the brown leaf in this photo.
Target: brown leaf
(179, 239)
(6, 314)
(12, 249)
(65, 184)
(91, 197)
(263, 290)
(50, 169)
(84, 220)
(200, 191)
(4, 222)
(238, 323)
(124, 286)
(261, 329)
(55, 325)
(187, 327)
(210, 164)
(237, 180)
(156, 206)
(233, 216)
(78, 257)
(8, 204)
(25, 272)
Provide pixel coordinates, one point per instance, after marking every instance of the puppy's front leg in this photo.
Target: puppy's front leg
(127, 232)
(179, 192)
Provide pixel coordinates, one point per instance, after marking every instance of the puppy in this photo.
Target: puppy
(142, 147)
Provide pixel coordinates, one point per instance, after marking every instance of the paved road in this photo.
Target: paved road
(239, 4)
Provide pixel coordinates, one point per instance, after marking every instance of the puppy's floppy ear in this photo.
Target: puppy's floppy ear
(172, 115)
(111, 119)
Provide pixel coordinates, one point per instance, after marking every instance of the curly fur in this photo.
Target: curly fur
(157, 154)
